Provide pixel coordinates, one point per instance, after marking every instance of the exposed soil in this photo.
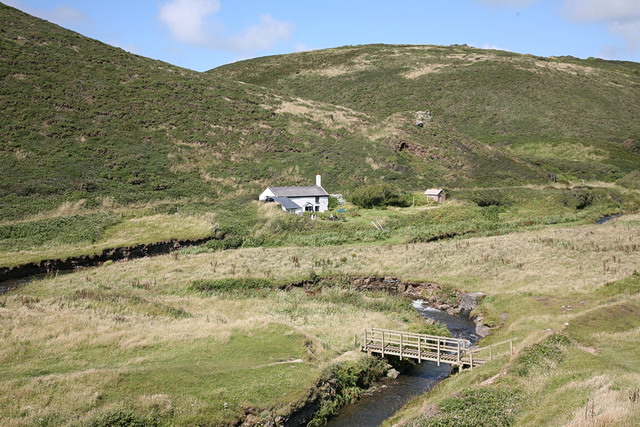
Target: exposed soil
(450, 300)
(113, 254)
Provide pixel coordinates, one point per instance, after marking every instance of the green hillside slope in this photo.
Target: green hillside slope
(576, 118)
(86, 121)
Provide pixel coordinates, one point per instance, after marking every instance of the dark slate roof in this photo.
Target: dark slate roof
(313, 190)
(286, 203)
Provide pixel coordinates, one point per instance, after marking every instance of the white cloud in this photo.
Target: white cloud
(261, 36)
(507, 3)
(621, 17)
(599, 10)
(190, 22)
(63, 15)
(186, 19)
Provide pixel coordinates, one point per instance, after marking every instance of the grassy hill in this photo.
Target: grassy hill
(86, 121)
(101, 148)
(575, 118)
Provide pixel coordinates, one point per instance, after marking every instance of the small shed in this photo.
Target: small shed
(436, 194)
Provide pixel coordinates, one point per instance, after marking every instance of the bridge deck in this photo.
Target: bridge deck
(421, 347)
(412, 353)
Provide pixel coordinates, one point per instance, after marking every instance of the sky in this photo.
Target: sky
(204, 34)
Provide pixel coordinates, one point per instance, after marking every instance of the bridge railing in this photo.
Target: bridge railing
(418, 346)
(490, 352)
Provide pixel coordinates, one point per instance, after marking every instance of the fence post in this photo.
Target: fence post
(382, 343)
(401, 346)
(511, 347)
(438, 341)
(471, 359)
(419, 349)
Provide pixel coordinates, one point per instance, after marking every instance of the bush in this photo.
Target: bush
(418, 199)
(378, 195)
(123, 418)
(64, 230)
(631, 180)
(543, 354)
(351, 379)
(480, 407)
(629, 286)
(228, 285)
(333, 202)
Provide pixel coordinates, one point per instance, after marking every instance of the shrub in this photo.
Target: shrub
(631, 180)
(333, 202)
(629, 285)
(480, 407)
(228, 285)
(543, 354)
(351, 379)
(371, 196)
(123, 418)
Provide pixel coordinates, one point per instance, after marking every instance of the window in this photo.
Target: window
(317, 208)
(317, 200)
(308, 208)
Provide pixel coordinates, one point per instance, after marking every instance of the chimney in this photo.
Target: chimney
(319, 180)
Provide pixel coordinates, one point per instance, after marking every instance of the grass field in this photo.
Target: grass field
(105, 149)
(65, 236)
(75, 229)
(136, 339)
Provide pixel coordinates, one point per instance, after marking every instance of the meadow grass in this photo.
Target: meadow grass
(86, 234)
(136, 336)
(95, 348)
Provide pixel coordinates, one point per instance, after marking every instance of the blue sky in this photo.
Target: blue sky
(203, 34)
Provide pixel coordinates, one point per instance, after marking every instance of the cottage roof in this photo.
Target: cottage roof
(286, 203)
(310, 191)
(433, 191)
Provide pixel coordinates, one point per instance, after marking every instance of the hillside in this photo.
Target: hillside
(86, 121)
(575, 118)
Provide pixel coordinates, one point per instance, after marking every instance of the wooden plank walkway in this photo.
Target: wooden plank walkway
(453, 351)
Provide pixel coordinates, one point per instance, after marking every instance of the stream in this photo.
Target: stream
(607, 218)
(373, 409)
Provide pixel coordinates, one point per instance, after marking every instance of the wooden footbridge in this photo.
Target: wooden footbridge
(454, 351)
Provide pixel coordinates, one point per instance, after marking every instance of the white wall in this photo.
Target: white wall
(301, 201)
(266, 193)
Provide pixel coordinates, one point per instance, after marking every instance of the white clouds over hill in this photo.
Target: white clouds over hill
(191, 22)
(622, 17)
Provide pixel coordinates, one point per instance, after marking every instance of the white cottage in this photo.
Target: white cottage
(298, 199)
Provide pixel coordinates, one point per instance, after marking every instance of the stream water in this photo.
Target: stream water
(382, 403)
(608, 218)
